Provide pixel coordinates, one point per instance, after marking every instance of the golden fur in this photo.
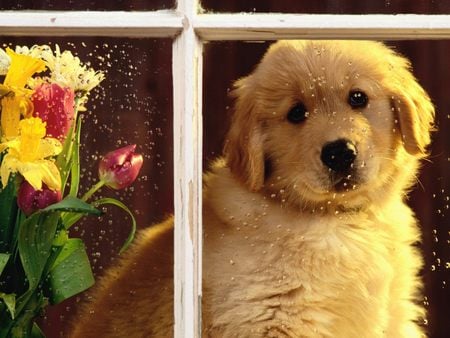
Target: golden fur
(285, 253)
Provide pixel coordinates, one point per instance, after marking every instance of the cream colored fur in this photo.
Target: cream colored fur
(285, 253)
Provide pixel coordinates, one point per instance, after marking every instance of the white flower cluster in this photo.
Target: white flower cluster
(4, 62)
(65, 69)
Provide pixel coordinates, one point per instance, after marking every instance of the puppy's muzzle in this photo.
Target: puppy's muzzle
(339, 155)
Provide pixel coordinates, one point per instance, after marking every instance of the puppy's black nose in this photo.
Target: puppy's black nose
(339, 155)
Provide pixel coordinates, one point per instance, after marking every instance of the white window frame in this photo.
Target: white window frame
(190, 30)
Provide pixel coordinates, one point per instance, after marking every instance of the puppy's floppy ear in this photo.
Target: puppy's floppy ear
(244, 144)
(413, 108)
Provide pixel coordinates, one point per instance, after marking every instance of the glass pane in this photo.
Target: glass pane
(133, 105)
(87, 5)
(330, 6)
(244, 258)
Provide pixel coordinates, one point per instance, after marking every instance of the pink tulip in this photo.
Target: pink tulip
(56, 106)
(31, 200)
(119, 168)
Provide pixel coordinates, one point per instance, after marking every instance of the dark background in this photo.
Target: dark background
(134, 105)
(330, 6)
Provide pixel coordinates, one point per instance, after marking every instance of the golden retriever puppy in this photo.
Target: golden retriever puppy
(306, 229)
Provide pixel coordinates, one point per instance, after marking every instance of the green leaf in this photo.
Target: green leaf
(36, 332)
(4, 257)
(119, 204)
(21, 326)
(68, 160)
(35, 240)
(10, 302)
(71, 219)
(65, 156)
(5, 321)
(20, 218)
(71, 272)
(73, 204)
(61, 238)
(75, 167)
(36, 236)
(8, 212)
(75, 209)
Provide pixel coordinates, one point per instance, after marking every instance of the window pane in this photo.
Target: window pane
(429, 198)
(133, 105)
(87, 5)
(330, 6)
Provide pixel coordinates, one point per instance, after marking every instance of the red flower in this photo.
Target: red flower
(56, 106)
(31, 200)
(119, 168)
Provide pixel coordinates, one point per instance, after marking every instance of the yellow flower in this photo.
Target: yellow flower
(27, 155)
(21, 69)
(12, 108)
(15, 98)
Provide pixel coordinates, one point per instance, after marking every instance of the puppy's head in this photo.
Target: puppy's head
(334, 122)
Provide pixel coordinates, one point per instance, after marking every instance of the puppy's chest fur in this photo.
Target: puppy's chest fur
(270, 271)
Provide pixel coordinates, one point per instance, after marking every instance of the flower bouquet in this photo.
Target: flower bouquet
(41, 97)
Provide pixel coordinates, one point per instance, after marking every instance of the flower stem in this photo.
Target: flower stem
(93, 189)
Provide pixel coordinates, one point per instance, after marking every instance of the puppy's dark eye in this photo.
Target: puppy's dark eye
(297, 114)
(357, 99)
